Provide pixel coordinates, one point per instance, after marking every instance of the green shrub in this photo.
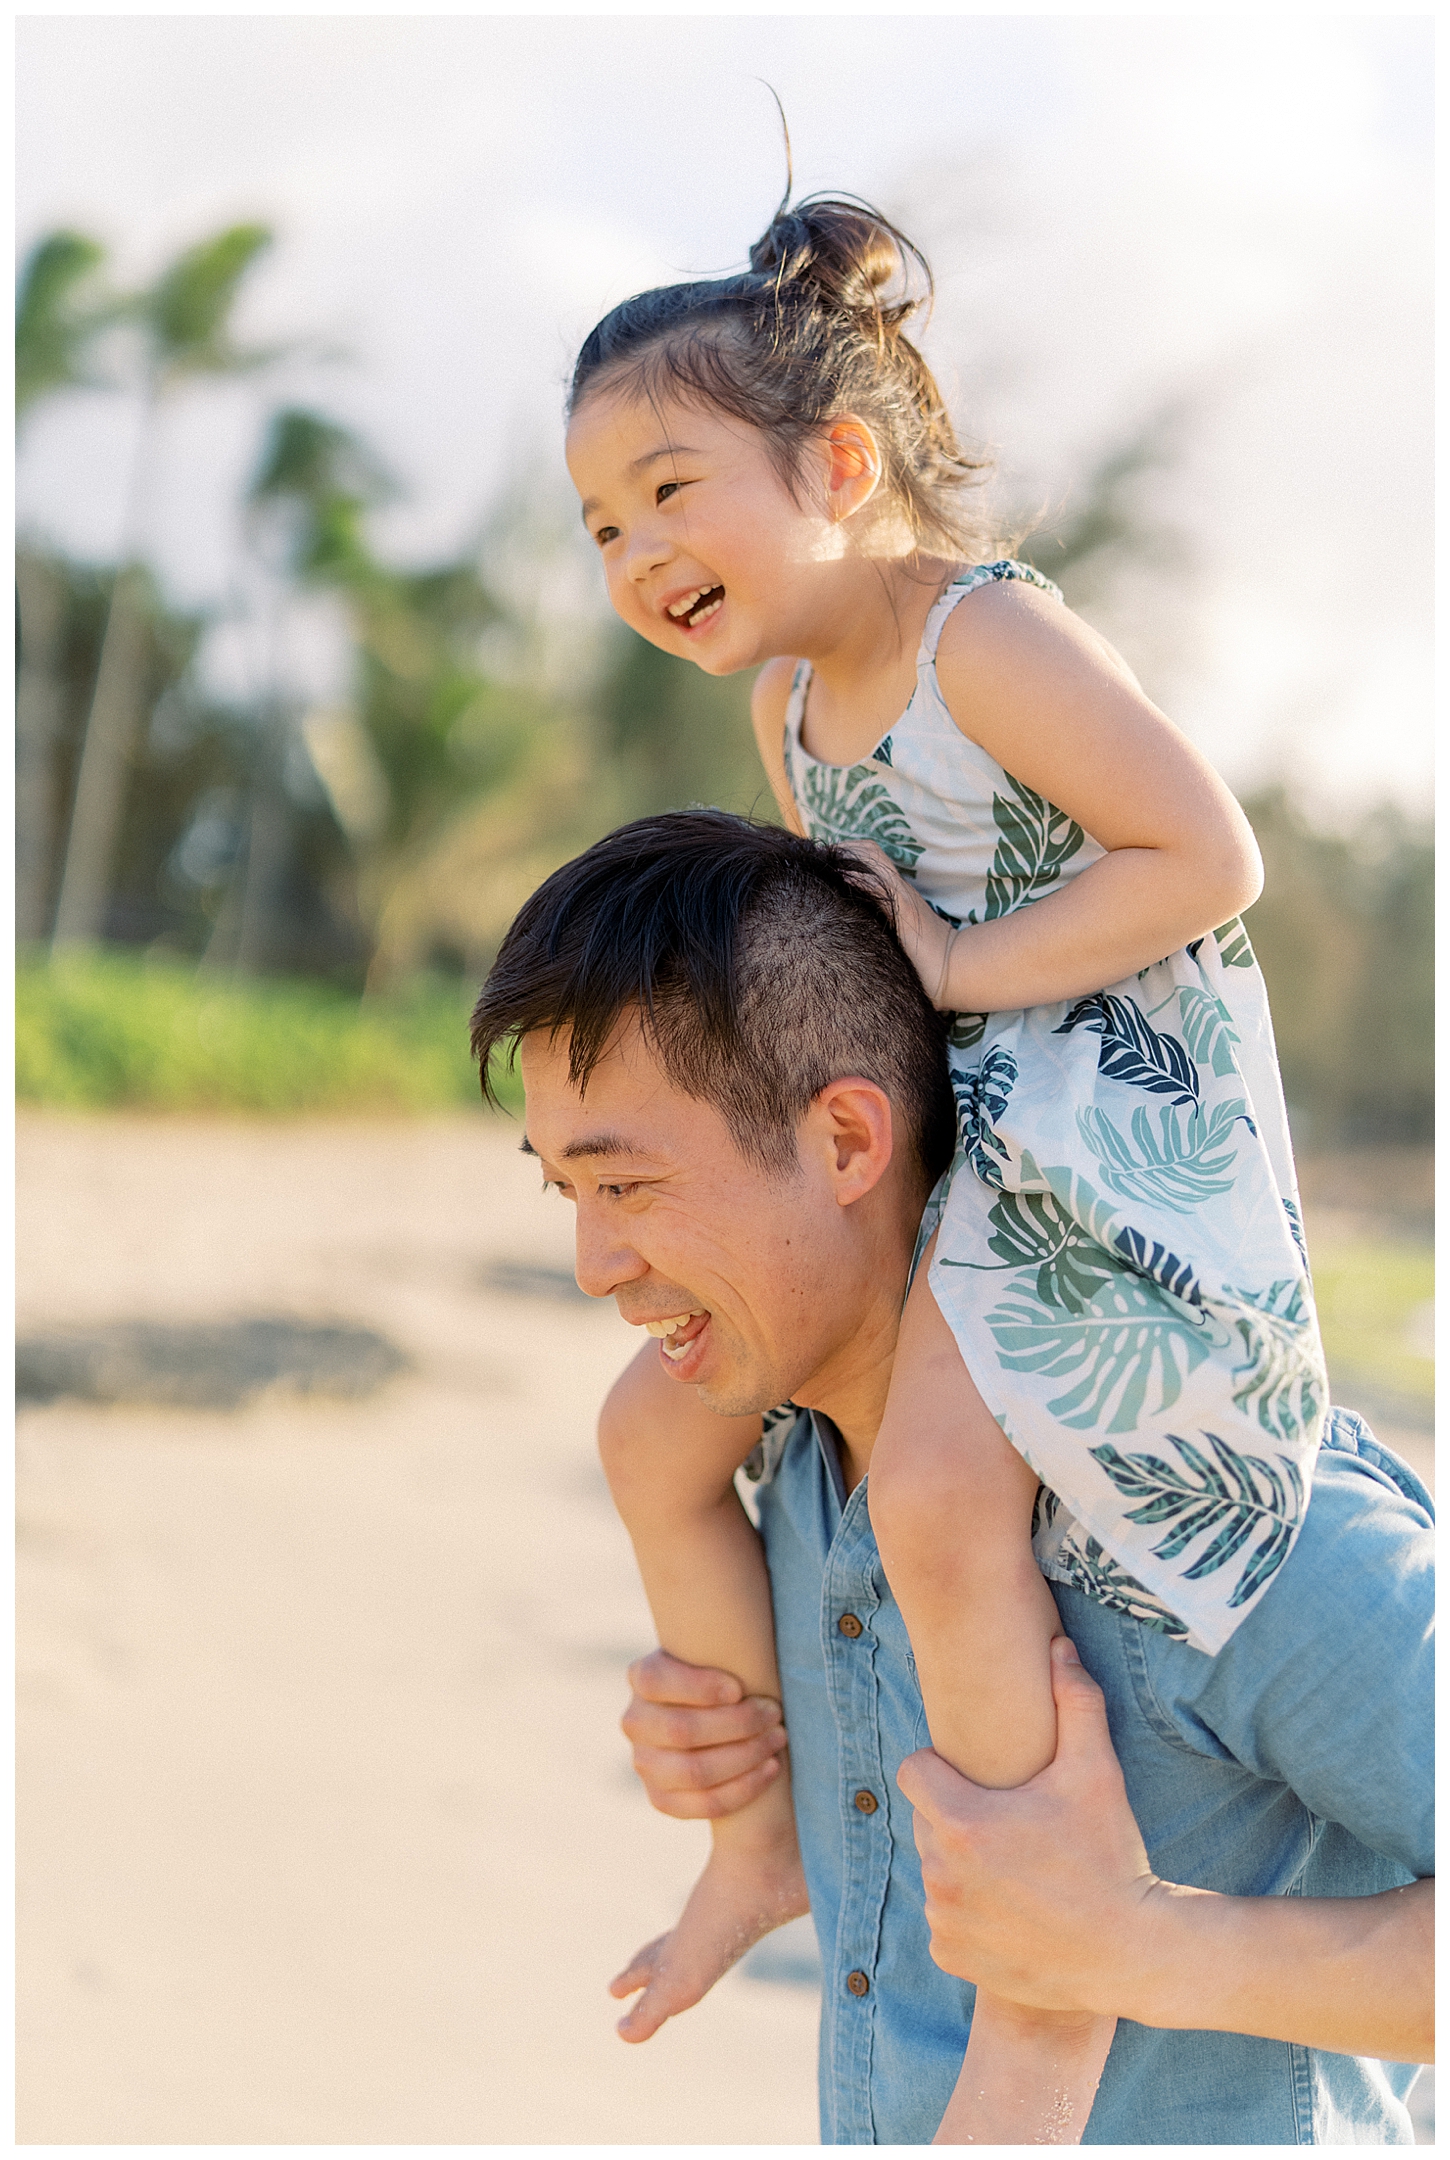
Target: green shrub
(111, 1029)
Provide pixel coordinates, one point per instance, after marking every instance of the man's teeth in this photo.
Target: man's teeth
(663, 1328)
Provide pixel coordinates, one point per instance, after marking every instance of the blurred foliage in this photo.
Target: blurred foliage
(1344, 933)
(112, 1029)
(182, 825)
(185, 313)
(58, 315)
(486, 735)
(673, 735)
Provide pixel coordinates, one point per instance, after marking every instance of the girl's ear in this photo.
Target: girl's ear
(853, 472)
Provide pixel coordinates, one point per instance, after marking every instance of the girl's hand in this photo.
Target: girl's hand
(926, 939)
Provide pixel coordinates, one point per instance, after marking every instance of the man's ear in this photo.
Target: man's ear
(853, 468)
(850, 1122)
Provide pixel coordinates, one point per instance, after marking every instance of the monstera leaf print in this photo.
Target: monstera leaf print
(1229, 1500)
(1128, 1351)
(1074, 1193)
(1208, 1031)
(852, 804)
(1034, 1230)
(1035, 839)
(981, 1097)
(1132, 1049)
(1234, 949)
(966, 1030)
(1186, 1161)
(1280, 1379)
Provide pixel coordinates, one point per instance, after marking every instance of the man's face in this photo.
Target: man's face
(672, 1220)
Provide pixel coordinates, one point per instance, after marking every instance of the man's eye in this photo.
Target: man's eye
(619, 1192)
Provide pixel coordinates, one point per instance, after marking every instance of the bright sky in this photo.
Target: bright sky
(1122, 210)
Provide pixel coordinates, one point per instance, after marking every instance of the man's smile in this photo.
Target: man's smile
(679, 1336)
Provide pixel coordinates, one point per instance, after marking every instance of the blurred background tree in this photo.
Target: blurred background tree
(384, 838)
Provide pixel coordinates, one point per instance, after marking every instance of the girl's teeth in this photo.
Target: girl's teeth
(705, 613)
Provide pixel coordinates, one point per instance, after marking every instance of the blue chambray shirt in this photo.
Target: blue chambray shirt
(1296, 1763)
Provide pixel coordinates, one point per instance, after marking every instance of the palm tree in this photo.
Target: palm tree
(184, 319)
(59, 312)
(429, 732)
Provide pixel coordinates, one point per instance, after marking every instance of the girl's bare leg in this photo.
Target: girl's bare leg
(671, 1465)
(951, 1505)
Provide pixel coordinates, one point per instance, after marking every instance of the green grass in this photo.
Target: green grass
(1370, 1293)
(110, 1030)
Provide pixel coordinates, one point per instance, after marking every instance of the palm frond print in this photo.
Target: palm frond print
(1281, 1377)
(1034, 840)
(1228, 1499)
(1132, 1049)
(1178, 1160)
(852, 803)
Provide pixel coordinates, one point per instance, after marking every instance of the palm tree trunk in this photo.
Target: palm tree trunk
(40, 590)
(105, 756)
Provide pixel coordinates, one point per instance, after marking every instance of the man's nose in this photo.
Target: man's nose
(603, 1261)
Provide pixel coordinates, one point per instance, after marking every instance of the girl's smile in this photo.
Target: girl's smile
(706, 551)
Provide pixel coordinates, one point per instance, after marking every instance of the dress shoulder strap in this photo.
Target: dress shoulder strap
(983, 574)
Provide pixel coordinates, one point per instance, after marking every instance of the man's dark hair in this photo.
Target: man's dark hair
(763, 966)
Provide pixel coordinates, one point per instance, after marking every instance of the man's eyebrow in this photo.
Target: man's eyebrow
(604, 1143)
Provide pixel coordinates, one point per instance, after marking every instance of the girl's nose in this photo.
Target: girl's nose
(649, 550)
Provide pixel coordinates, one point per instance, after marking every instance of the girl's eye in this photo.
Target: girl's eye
(606, 533)
(665, 489)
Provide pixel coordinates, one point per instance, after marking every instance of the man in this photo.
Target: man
(1276, 1956)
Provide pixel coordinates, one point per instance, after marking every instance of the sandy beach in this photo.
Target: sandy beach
(327, 1832)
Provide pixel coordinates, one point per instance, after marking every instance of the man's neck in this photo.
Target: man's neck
(850, 1387)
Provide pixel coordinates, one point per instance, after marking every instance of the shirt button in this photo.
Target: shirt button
(858, 1983)
(849, 1626)
(866, 1802)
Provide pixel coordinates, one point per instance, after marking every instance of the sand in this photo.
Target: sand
(327, 1831)
(327, 1834)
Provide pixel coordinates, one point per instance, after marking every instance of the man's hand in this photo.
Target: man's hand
(1044, 1895)
(701, 1747)
(1033, 1893)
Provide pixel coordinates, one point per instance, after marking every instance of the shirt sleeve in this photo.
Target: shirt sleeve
(1327, 1686)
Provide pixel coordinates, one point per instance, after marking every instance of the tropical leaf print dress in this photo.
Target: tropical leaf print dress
(1120, 1256)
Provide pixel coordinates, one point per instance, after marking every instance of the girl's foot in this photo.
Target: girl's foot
(744, 1892)
(1029, 2078)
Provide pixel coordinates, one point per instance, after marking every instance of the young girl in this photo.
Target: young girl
(1108, 1367)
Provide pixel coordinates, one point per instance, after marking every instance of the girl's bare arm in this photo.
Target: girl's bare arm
(1055, 706)
(768, 701)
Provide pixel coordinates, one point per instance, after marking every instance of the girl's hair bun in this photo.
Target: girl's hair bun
(849, 254)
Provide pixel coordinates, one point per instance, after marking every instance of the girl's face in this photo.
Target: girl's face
(706, 551)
